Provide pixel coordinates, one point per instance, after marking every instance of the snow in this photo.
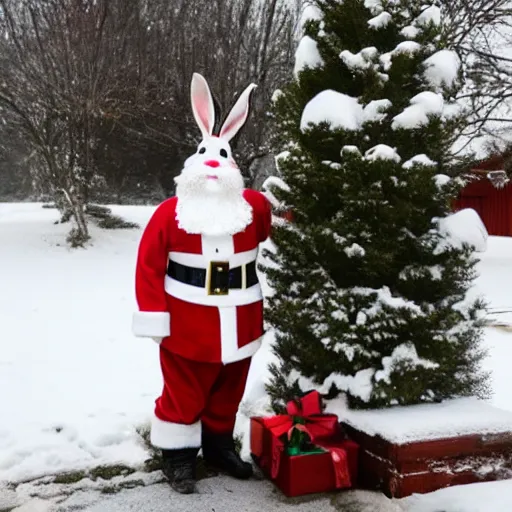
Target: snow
(410, 32)
(466, 226)
(66, 352)
(380, 21)
(307, 55)
(422, 105)
(220, 494)
(335, 108)
(310, 12)
(419, 160)
(430, 15)
(354, 250)
(442, 180)
(360, 60)
(402, 425)
(472, 498)
(350, 149)
(375, 110)
(403, 355)
(382, 152)
(276, 95)
(442, 68)
(407, 47)
(375, 6)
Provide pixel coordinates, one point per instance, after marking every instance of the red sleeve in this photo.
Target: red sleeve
(153, 319)
(262, 209)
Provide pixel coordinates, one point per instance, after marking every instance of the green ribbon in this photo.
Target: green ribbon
(299, 442)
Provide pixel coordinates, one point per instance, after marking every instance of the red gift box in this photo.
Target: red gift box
(295, 475)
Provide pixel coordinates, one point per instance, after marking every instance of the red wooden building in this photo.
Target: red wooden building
(490, 194)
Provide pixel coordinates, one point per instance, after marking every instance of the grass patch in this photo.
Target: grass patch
(109, 472)
(103, 472)
(110, 489)
(70, 478)
(116, 222)
(106, 220)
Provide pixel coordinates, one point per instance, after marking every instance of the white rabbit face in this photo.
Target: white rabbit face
(213, 151)
(211, 169)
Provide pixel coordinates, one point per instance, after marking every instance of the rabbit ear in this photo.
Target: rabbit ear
(202, 105)
(238, 115)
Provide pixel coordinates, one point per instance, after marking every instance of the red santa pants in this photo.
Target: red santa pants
(196, 395)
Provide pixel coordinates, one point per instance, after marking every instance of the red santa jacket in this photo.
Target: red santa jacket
(202, 310)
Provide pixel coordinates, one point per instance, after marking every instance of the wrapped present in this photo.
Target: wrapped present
(304, 451)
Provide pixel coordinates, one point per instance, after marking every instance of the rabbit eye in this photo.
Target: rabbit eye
(202, 151)
(223, 153)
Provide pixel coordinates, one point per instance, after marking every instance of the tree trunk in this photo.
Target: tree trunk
(80, 234)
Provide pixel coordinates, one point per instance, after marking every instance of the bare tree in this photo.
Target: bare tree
(60, 56)
(478, 30)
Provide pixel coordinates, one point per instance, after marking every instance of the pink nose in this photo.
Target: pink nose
(212, 163)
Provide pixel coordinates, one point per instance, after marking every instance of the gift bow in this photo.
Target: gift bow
(320, 428)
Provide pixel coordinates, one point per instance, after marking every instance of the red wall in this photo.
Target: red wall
(493, 205)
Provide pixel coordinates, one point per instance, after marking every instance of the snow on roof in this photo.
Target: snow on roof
(335, 108)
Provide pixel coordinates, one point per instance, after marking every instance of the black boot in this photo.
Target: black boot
(219, 451)
(179, 466)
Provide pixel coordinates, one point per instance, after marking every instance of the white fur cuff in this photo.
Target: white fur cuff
(170, 436)
(151, 324)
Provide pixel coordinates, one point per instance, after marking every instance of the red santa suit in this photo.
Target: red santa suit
(202, 296)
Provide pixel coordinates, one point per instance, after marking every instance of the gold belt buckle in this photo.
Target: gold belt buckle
(218, 278)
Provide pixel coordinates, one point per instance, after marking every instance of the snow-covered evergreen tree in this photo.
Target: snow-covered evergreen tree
(370, 288)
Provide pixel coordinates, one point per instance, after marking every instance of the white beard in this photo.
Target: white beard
(213, 208)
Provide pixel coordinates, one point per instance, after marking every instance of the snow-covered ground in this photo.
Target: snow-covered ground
(75, 384)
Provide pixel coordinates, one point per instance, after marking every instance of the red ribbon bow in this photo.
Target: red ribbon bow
(320, 428)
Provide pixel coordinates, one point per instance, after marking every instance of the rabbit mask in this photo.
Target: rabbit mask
(210, 186)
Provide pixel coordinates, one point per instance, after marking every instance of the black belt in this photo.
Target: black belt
(221, 278)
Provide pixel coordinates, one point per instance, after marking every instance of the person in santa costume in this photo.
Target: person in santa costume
(199, 297)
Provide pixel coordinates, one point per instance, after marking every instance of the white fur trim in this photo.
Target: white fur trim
(228, 332)
(243, 353)
(218, 247)
(203, 261)
(151, 324)
(229, 338)
(200, 296)
(168, 436)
